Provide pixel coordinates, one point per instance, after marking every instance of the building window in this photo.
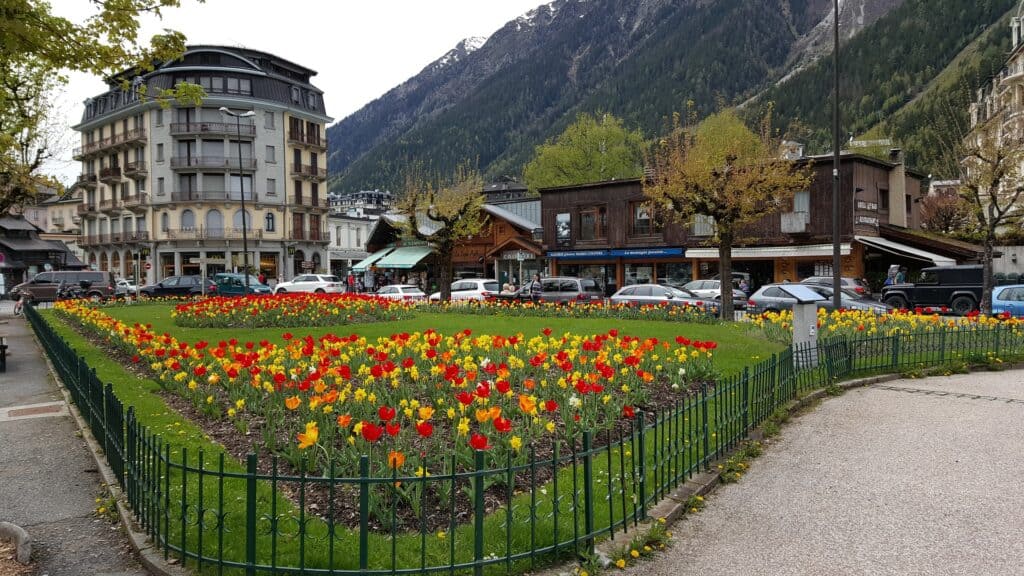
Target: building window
(703, 225)
(159, 116)
(140, 187)
(337, 235)
(802, 201)
(165, 221)
(359, 237)
(296, 94)
(908, 201)
(271, 187)
(160, 186)
(883, 200)
(593, 222)
(159, 152)
(642, 223)
(188, 220)
(563, 228)
(271, 155)
(311, 99)
(268, 120)
(268, 222)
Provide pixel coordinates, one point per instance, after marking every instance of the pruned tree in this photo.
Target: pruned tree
(726, 172)
(591, 149)
(988, 159)
(946, 212)
(37, 48)
(442, 215)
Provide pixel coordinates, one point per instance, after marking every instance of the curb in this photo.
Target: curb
(148, 553)
(22, 541)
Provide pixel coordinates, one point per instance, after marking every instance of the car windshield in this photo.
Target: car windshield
(680, 292)
(330, 279)
(491, 286)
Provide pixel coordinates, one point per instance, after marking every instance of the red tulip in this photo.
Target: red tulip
(502, 385)
(425, 429)
(386, 413)
(483, 390)
(371, 432)
(393, 429)
(465, 398)
(550, 405)
(503, 425)
(479, 442)
(628, 411)
(546, 331)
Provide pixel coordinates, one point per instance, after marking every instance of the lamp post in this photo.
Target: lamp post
(241, 187)
(837, 300)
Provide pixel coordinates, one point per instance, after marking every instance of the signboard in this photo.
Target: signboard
(869, 220)
(578, 254)
(307, 264)
(872, 206)
(518, 255)
(646, 252)
(207, 261)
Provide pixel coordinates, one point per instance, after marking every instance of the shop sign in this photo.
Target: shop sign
(647, 252)
(869, 220)
(307, 264)
(578, 254)
(518, 255)
(862, 205)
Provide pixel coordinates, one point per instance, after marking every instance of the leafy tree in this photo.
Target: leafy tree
(989, 162)
(946, 212)
(592, 149)
(722, 170)
(442, 215)
(37, 47)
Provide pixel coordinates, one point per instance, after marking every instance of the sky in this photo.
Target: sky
(359, 49)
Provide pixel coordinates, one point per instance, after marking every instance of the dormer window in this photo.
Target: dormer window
(296, 94)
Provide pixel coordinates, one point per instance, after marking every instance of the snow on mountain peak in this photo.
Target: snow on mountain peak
(474, 43)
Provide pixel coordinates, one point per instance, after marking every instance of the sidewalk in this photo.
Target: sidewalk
(908, 477)
(48, 479)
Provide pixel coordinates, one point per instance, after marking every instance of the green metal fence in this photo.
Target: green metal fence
(220, 517)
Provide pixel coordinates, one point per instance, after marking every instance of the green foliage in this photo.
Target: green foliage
(591, 149)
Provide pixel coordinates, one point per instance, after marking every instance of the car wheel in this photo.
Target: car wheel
(962, 305)
(95, 297)
(281, 291)
(897, 302)
(320, 291)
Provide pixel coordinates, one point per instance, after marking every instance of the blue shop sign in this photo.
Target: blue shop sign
(578, 254)
(647, 252)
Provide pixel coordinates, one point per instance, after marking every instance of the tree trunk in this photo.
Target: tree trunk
(986, 276)
(725, 273)
(444, 258)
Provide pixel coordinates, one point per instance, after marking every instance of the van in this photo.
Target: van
(43, 287)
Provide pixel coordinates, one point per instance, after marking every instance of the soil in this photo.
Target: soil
(8, 565)
(392, 511)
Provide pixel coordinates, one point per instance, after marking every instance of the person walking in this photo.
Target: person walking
(536, 289)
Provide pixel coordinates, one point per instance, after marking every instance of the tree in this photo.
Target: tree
(722, 170)
(988, 161)
(37, 48)
(442, 215)
(946, 212)
(589, 150)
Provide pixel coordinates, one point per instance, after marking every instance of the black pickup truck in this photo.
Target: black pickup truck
(956, 287)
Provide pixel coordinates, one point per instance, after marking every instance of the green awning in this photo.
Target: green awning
(369, 261)
(405, 257)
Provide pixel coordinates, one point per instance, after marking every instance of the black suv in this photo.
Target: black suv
(958, 287)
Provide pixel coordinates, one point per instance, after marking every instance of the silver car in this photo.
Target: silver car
(656, 294)
(772, 298)
(712, 290)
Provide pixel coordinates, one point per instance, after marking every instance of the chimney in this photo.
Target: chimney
(897, 189)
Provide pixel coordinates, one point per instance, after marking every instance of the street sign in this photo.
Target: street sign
(148, 266)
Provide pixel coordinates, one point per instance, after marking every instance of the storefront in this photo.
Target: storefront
(615, 268)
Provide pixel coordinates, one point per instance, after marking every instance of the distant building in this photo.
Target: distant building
(23, 253)
(507, 189)
(364, 203)
(999, 104)
(164, 186)
(349, 235)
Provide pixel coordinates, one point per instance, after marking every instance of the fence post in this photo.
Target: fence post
(478, 514)
(746, 399)
(895, 350)
(642, 448)
(364, 512)
(250, 515)
(588, 492)
(942, 347)
(998, 332)
(704, 424)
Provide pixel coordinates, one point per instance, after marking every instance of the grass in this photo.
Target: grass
(739, 345)
(531, 514)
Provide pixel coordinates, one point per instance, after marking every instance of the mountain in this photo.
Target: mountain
(492, 103)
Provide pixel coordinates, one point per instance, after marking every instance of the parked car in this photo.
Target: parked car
(772, 298)
(657, 294)
(401, 292)
(187, 285)
(957, 287)
(712, 289)
(559, 289)
(319, 283)
(125, 288)
(234, 285)
(471, 289)
(43, 286)
(855, 284)
(1008, 299)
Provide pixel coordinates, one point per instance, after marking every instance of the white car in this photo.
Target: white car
(470, 289)
(401, 292)
(125, 288)
(712, 289)
(319, 283)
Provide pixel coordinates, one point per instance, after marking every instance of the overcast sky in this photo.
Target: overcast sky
(359, 49)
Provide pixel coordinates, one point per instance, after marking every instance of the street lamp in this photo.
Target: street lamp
(837, 282)
(241, 187)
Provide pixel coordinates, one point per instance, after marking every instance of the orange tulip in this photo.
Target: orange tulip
(395, 459)
(310, 437)
(527, 405)
(344, 420)
(292, 403)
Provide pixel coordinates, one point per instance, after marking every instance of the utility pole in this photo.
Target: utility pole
(837, 258)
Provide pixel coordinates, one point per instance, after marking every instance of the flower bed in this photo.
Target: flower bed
(583, 310)
(779, 325)
(323, 403)
(292, 310)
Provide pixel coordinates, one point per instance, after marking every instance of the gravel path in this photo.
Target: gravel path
(912, 477)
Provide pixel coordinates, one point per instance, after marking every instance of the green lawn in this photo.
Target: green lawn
(738, 344)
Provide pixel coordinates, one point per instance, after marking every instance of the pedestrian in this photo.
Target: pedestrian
(744, 287)
(901, 276)
(536, 289)
(19, 304)
(262, 278)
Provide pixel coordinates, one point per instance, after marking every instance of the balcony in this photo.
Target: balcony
(229, 129)
(309, 172)
(212, 196)
(132, 237)
(137, 168)
(201, 233)
(186, 163)
(93, 239)
(85, 208)
(110, 174)
(297, 137)
(87, 180)
(135, 202)
(110, 205)
(309, 236)
(57, 221)
(115, 142)
(129, 139)
(317, 141)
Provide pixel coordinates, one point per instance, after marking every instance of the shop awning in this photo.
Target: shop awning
(405, 257)
(365, 264)
(904, 250)
(763, 252)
